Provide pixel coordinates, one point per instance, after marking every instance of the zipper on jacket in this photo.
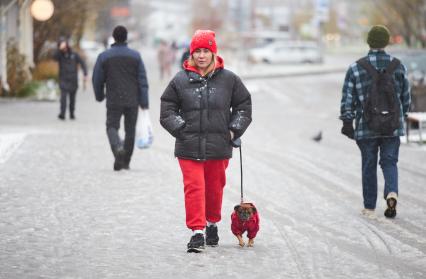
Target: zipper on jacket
(201, 120)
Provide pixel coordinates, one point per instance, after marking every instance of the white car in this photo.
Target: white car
(287, 52)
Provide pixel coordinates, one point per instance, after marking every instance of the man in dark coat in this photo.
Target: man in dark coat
(122, 70)
(68, 76)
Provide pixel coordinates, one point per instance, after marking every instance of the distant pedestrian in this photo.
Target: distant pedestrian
(184, 57)
(173, 49)
(204, 107)
(165, 59)
(68, 61)
(376, 94)
(122, 71)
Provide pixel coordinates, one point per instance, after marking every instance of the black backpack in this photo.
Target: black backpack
(381, 107)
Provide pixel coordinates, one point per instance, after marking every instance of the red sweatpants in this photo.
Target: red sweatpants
(203, 187)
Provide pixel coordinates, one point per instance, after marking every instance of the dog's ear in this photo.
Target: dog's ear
(254, 210)
(237, 207)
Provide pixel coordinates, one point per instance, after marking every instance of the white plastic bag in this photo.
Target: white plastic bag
(144, 136)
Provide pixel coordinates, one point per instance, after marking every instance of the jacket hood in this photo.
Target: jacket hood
(219, 64)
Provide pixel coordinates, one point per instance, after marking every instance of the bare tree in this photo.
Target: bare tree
(209, 14)
(407, 18)
(68, 21)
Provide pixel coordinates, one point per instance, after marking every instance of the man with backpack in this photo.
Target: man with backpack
(376, 94)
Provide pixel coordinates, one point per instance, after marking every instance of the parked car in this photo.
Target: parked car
(287, 52)
(415, 61)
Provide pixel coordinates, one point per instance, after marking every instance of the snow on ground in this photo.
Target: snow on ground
(65, 214)
(8, 144)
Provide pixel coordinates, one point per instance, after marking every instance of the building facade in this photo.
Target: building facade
(16, 24)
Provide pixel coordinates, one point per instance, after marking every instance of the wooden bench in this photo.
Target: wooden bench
(420, 119)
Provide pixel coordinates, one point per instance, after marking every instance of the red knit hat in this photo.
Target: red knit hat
(203, 39)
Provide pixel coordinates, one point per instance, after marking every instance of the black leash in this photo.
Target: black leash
(237, 144)
(241, 168)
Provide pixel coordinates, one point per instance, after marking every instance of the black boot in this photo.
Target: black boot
(126, 162)
(196, 244)
(119, 154)
(61, 116)
(212, 238)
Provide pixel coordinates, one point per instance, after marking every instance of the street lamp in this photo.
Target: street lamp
(42, 10)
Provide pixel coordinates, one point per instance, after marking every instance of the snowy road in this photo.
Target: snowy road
(65, 214)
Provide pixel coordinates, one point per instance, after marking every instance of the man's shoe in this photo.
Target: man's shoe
(126, 163)
(196, 243)
(72, 116)
(212, 238)
(61, 117)
(119, 159)
(391, 201)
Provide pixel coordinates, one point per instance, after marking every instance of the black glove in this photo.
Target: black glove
(348, 129)
(236, 142)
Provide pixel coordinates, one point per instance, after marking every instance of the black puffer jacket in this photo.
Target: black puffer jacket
(200, 112)
(68, 69)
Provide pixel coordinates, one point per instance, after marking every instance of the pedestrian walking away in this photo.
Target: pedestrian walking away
(205, 107)
(376, 94)
(121, 70)
(68, 61)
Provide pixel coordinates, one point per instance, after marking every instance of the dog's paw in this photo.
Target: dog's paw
(242, 243)
(250, 243)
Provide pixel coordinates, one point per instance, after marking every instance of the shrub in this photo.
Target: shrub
(46, 69)
(29, 89)
(17, 71)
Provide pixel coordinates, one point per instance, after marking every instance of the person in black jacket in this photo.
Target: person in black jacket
(204, 107)
(68, 76)
(184, 57)
(122, 70)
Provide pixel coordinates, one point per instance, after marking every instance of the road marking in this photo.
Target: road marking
(9, 143)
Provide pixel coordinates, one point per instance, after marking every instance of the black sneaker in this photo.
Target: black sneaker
(61, 117)
(390, 212)
(212, 238)
(196, 244)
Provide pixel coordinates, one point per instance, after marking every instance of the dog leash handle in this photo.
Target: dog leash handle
(241, 169)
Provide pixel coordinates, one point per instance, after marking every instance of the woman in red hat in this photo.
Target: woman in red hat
(205, 107)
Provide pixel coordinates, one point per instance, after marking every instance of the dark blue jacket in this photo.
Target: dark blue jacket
(122, 70)
(68, 69)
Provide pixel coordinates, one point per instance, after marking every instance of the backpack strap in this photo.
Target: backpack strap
(364, 63)
(392, 66)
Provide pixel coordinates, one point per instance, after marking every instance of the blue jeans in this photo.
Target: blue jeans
(389, 152)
